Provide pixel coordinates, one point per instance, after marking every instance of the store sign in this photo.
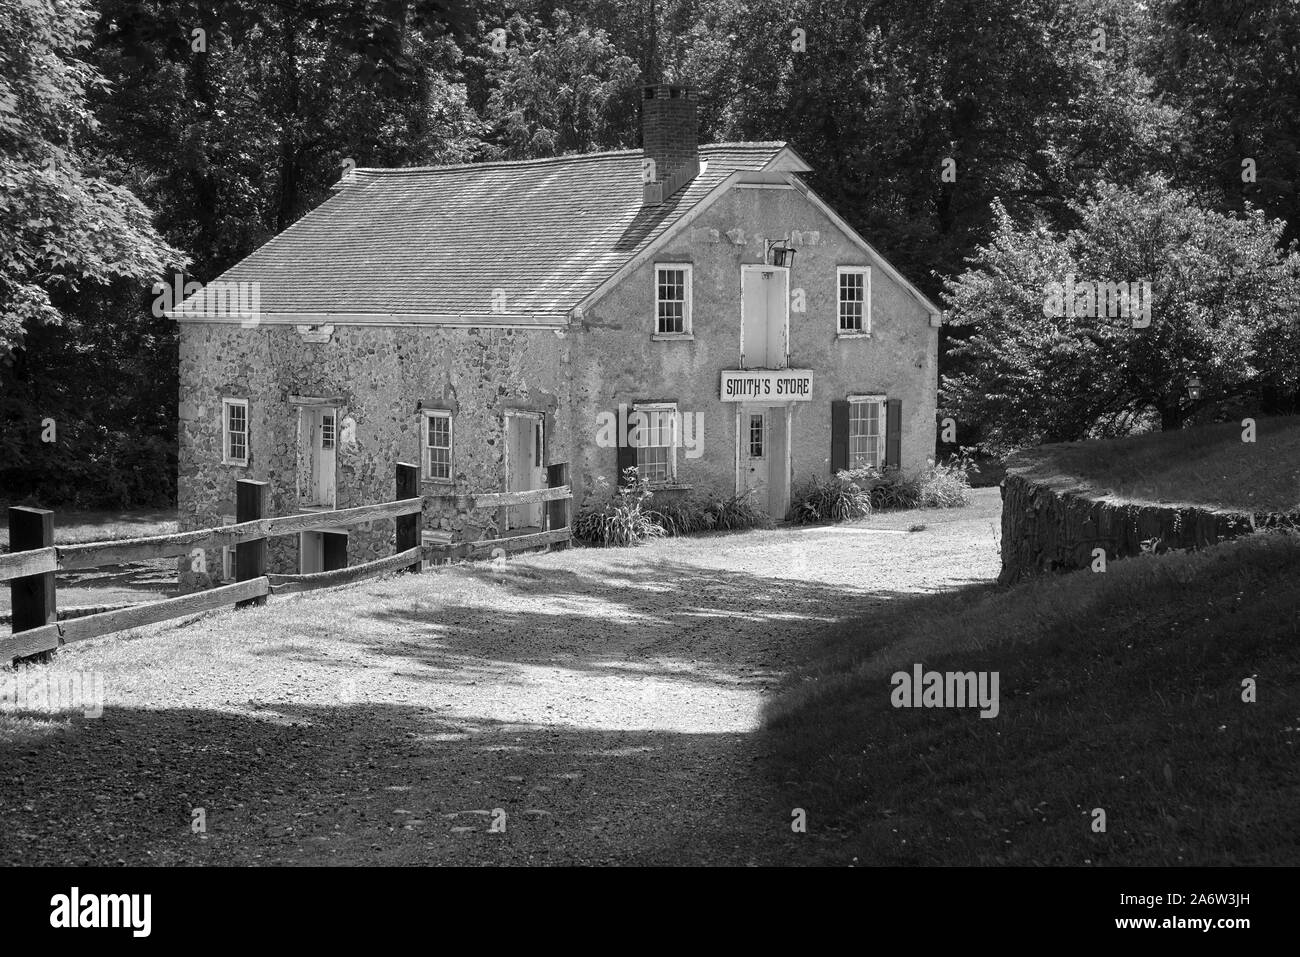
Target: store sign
(767, 385)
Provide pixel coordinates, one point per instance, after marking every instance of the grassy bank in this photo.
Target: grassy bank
(1208, 466)
(1120, 691)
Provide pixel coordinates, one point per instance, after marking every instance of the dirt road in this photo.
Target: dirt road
(586, 706)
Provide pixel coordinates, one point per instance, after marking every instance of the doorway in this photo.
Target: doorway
(525, 468)
(764, 317)
(763, 457)
(322, 552)
(317, 443)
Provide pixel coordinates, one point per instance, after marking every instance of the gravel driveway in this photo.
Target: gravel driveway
(600, 705)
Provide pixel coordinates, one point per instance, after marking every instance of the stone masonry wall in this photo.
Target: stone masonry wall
(379, 374)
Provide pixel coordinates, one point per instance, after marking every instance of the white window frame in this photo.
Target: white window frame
(882, 425)
(650, 408)
(865, 273)
(228, 554)
(687, 279)
(226, 457)
(426, 458)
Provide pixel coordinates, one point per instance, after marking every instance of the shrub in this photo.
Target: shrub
(739, 511)
(842, 497)
(691, 516)
(947, 484)
(621, 519)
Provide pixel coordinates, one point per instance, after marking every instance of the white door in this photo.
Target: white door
(756, 455)
(524, 468)
(326, 440)
(317, 440)
(764, 315)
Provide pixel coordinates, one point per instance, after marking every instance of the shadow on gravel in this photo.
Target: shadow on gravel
(725, 624)
(361, 784)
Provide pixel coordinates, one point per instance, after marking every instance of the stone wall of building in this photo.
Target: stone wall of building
(382, 377)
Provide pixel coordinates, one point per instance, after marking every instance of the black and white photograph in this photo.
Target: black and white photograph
(771, 434)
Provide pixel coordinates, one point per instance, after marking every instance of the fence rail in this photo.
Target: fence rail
(31, 565)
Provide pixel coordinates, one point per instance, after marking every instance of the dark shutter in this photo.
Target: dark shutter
(334, 548)
(839, 435)
(893, 433)
(626, 460)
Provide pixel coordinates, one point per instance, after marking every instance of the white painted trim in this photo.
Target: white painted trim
(226, 406)
(785, 345)
(687, 309)
(426, 459)
(864, 271)
(672, 445)
(764, 186)
(476, 320)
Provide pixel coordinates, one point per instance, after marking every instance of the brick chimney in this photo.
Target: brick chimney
(670, 137)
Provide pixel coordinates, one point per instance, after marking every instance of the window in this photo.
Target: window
(854, 299)
(229, 568)
(327, 431)
(866, 431)
(234, 431)
(656, 453)
(673, 299)
(757, 436)
(437, 446)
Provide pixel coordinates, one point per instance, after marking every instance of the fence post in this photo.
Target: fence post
(250, 557)
(557, 511)
(408, 526)
(31, 598)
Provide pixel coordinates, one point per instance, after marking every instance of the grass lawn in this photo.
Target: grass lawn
(112, 584)
(1120, 691)
(1207, 465)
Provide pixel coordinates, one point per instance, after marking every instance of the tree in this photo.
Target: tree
(559, 89)
(63, 224)
(1049, 358)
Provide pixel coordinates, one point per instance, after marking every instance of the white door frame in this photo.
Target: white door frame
(785, 330)
(537, 418)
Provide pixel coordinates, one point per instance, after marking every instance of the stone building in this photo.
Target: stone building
(695, 310)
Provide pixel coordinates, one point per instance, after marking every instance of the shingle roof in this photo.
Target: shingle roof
(514, 242)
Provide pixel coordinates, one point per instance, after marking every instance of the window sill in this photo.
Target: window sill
(443, 483)
(315, 508)
(669, 487)
(852, 335)
(672, 337)
(235, 465)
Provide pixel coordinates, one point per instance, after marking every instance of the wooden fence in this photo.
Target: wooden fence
(33, 559)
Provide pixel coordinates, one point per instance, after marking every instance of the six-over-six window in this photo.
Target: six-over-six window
(866, 431)
(854, 299)
(656, 442)
(673, 299)
(234, 431)
(436, 445)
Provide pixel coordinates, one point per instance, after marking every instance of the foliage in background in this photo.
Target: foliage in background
(65, 224)
(1039, 104)
(1224, 300)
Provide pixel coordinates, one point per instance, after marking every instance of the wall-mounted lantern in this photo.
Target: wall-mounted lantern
(779, 253)
(1194, 388)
